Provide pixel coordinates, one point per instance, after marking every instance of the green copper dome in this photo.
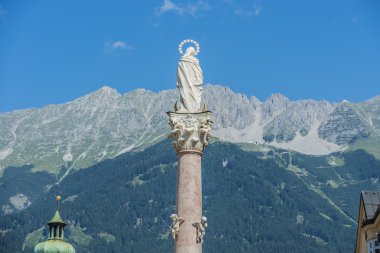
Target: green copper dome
(55, 242)
(54, 246)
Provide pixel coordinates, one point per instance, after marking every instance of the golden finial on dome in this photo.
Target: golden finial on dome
(58, 198)
(204, 107)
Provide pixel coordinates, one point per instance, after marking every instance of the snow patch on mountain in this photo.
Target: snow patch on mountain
(67, 157)
(19, 201)
(7, 209)
(5, 152)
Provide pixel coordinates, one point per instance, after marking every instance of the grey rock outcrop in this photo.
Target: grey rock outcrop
(343, 126)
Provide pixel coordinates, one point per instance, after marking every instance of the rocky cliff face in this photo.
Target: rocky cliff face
(343, 126)
(298, 117)
(105, 123)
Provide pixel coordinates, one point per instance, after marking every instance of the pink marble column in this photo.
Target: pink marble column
(189, 200)
(190, 133)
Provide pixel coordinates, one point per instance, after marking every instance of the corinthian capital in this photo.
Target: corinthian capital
(190, 131)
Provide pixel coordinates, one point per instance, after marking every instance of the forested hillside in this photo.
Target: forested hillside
(254, 201)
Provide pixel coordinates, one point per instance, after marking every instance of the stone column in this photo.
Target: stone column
(190, 134)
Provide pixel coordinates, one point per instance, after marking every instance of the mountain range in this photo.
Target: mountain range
(104, 124)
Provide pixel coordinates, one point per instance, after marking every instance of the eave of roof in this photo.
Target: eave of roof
(373, 219)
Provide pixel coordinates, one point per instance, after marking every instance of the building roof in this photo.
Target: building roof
(371, 201)
(56, 218)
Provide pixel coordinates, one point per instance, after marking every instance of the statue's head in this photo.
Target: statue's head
(190, 51)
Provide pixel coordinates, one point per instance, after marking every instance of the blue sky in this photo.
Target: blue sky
(53, 51)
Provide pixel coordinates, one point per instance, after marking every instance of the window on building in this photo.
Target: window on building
(373, 246)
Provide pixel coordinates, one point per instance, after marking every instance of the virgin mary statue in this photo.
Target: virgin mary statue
(189, 82)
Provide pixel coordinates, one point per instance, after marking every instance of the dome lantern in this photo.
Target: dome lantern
(55, 242)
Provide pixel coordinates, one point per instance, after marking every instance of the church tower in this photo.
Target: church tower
(55, 242)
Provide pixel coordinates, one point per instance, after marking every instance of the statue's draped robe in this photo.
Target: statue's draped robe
(189, 84)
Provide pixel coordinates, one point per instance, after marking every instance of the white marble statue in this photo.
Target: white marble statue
(174, 228)
(201, 229)
(189, 80)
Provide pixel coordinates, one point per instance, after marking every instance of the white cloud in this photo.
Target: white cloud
(193, 8)
(122, 45)
(180, 10)
(254, 11)
(115, 45)
(169, 6)
(257, 9)
(3, 12)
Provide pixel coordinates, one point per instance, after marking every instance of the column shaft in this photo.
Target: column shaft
(189, 201)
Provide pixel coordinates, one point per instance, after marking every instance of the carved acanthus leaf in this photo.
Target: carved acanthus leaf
(190, 131)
